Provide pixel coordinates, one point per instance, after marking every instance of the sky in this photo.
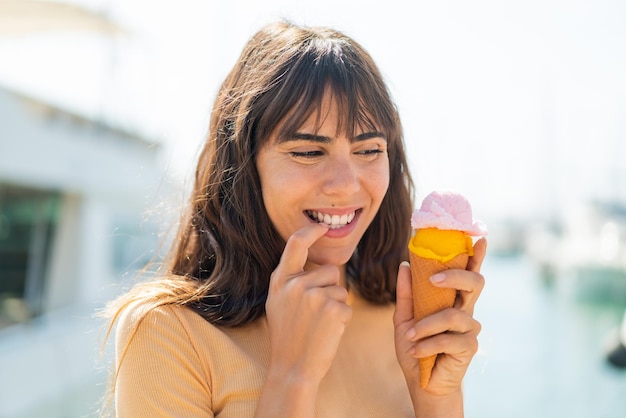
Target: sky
(519, 105)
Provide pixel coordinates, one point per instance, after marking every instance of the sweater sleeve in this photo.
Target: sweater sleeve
(159, 371)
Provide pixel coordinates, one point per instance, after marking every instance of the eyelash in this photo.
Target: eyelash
(314, 154)
(306, 154)
(371, 152)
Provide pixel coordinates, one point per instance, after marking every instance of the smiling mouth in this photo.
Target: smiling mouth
(333, 221)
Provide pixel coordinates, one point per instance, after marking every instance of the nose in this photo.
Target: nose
(341, 178)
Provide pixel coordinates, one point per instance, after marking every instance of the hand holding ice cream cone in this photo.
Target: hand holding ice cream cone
(443, 240)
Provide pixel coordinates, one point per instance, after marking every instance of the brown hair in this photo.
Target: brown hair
(226, 247)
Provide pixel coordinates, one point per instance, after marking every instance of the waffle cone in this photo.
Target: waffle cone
(428, 299)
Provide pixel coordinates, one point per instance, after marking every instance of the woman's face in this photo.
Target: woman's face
(321, 175)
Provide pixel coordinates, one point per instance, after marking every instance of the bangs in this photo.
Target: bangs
(336, 67)
(353, 116)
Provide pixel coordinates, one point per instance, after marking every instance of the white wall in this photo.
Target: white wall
(41, 145)
(103, 176)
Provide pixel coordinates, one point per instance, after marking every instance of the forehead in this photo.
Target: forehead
(333, 113)
(325, 115)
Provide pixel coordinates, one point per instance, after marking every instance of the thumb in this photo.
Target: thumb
(404, 295)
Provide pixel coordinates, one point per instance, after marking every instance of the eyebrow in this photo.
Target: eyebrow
(301, 136)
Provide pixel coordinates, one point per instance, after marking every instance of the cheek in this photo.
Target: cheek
(381, 191)
(378, 182)
(280, 196)
(279, 187)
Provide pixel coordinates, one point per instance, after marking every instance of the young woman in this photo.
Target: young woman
(284, 294)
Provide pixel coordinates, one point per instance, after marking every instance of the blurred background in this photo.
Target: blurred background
(519, 105)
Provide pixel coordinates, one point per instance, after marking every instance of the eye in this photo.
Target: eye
(306, 154)
(370, 154)
(371, 151)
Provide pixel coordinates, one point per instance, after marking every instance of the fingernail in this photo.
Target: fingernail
(410, 333)
(405, 263)
(436, 278)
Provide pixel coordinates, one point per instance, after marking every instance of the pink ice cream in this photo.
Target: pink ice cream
(447, 210)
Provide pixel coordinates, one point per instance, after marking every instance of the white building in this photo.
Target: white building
(73, 198)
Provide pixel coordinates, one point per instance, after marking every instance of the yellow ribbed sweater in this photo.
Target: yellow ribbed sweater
(180, 365)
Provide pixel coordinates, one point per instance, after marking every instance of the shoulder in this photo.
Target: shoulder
(159, 363)
(141, 318)
(165, 338)
(143, 328)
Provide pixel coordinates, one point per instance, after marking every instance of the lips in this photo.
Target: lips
(333, 221)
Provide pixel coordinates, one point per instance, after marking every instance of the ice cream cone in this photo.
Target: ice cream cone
(443, 240)
(428, 299)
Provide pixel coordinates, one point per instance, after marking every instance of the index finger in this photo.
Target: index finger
(296, 250)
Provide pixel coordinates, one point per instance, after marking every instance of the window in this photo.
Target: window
(28, 218)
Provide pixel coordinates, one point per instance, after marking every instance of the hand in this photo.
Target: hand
(306, 311)
(452, 332)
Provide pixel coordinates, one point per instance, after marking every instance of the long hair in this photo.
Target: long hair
(226, 247)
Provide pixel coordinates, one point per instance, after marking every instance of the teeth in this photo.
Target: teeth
(335, 221)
